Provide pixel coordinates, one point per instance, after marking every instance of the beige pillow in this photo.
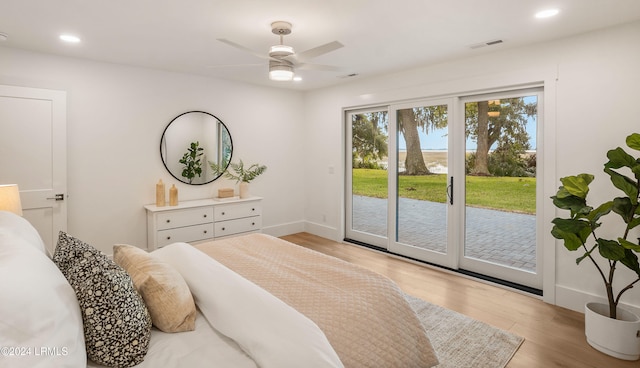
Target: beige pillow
(163, 289)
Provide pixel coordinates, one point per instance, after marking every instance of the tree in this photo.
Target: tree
(369, 138)
(409, 120)
(505, 127)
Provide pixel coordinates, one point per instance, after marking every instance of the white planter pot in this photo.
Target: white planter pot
(619, 338)
(244, 190)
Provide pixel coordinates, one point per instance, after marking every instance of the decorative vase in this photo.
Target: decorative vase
(160, 198)
(619, 337)
(173, 196)
(244, 190)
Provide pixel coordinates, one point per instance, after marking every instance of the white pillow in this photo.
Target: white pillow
(10, 223)
(40, 321)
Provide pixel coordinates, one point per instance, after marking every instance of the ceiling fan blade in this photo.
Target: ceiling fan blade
(315, 52)
(246, 49)
(319, 67)
(230, 65)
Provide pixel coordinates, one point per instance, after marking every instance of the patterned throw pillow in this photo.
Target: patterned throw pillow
(116, 321)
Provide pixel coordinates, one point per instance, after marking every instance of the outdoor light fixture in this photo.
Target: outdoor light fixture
(494, 108)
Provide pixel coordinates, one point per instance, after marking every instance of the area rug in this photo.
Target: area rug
(461, 341)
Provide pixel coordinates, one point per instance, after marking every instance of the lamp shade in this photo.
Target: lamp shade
(10, 199)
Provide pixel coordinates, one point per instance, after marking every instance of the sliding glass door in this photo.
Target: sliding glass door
(500, 187)
(367, 179)
(451, 182)
(421, 184)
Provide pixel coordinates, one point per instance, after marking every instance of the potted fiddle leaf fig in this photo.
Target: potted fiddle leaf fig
(610, 329)
(192, 161)
(241, 174)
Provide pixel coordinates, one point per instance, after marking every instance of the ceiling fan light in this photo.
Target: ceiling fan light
(281, 49)
(281, 75)
(280, 70)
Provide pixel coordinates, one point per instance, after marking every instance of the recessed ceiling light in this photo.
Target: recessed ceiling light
(547, 13)
(297, 78)
(69, 38)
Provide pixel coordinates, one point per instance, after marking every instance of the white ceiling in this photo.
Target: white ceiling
(380, 36)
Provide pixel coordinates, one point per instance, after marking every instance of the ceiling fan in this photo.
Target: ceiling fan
(283, 60)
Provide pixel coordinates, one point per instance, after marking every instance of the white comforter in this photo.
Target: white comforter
(270, 331)
(203, 347)
(239, 324)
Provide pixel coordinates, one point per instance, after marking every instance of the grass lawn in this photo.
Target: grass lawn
(502, 193)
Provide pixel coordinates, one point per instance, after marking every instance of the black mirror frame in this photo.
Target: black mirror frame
(181, 179)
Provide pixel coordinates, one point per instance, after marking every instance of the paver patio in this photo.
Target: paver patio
(500, 237)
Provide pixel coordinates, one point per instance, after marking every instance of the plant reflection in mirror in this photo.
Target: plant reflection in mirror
(240, 173)
(191, 161)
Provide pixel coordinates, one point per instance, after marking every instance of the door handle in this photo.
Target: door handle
(450, 190)
(57, 197)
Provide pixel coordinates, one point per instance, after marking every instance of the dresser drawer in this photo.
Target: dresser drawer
(185, 234)
(180, 218)
(243, 225)
(237, 210)
(202, 220)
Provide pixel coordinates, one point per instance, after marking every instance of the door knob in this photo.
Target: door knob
(57, 197)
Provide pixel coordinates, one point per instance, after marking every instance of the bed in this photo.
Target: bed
(249, 301)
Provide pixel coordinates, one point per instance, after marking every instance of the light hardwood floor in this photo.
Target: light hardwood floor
(554, 336)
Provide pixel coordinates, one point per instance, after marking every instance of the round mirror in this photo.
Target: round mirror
(196, 147)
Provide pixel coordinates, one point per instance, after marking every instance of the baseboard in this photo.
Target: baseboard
(576, 299)
(285, 229)
(321, 230)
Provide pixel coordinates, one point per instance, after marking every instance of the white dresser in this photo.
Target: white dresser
(204, 219)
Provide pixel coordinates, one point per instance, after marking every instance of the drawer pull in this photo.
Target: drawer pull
(168, 221)
(253, 224)
(205, 215)
(222, 213)
(223, 229)
(205, 231)
(168, 238)
(253, 209)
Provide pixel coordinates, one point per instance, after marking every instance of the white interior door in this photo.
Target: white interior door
(33, 155)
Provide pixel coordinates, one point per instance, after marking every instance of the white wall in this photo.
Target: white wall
(116, 116)
(590, 109)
